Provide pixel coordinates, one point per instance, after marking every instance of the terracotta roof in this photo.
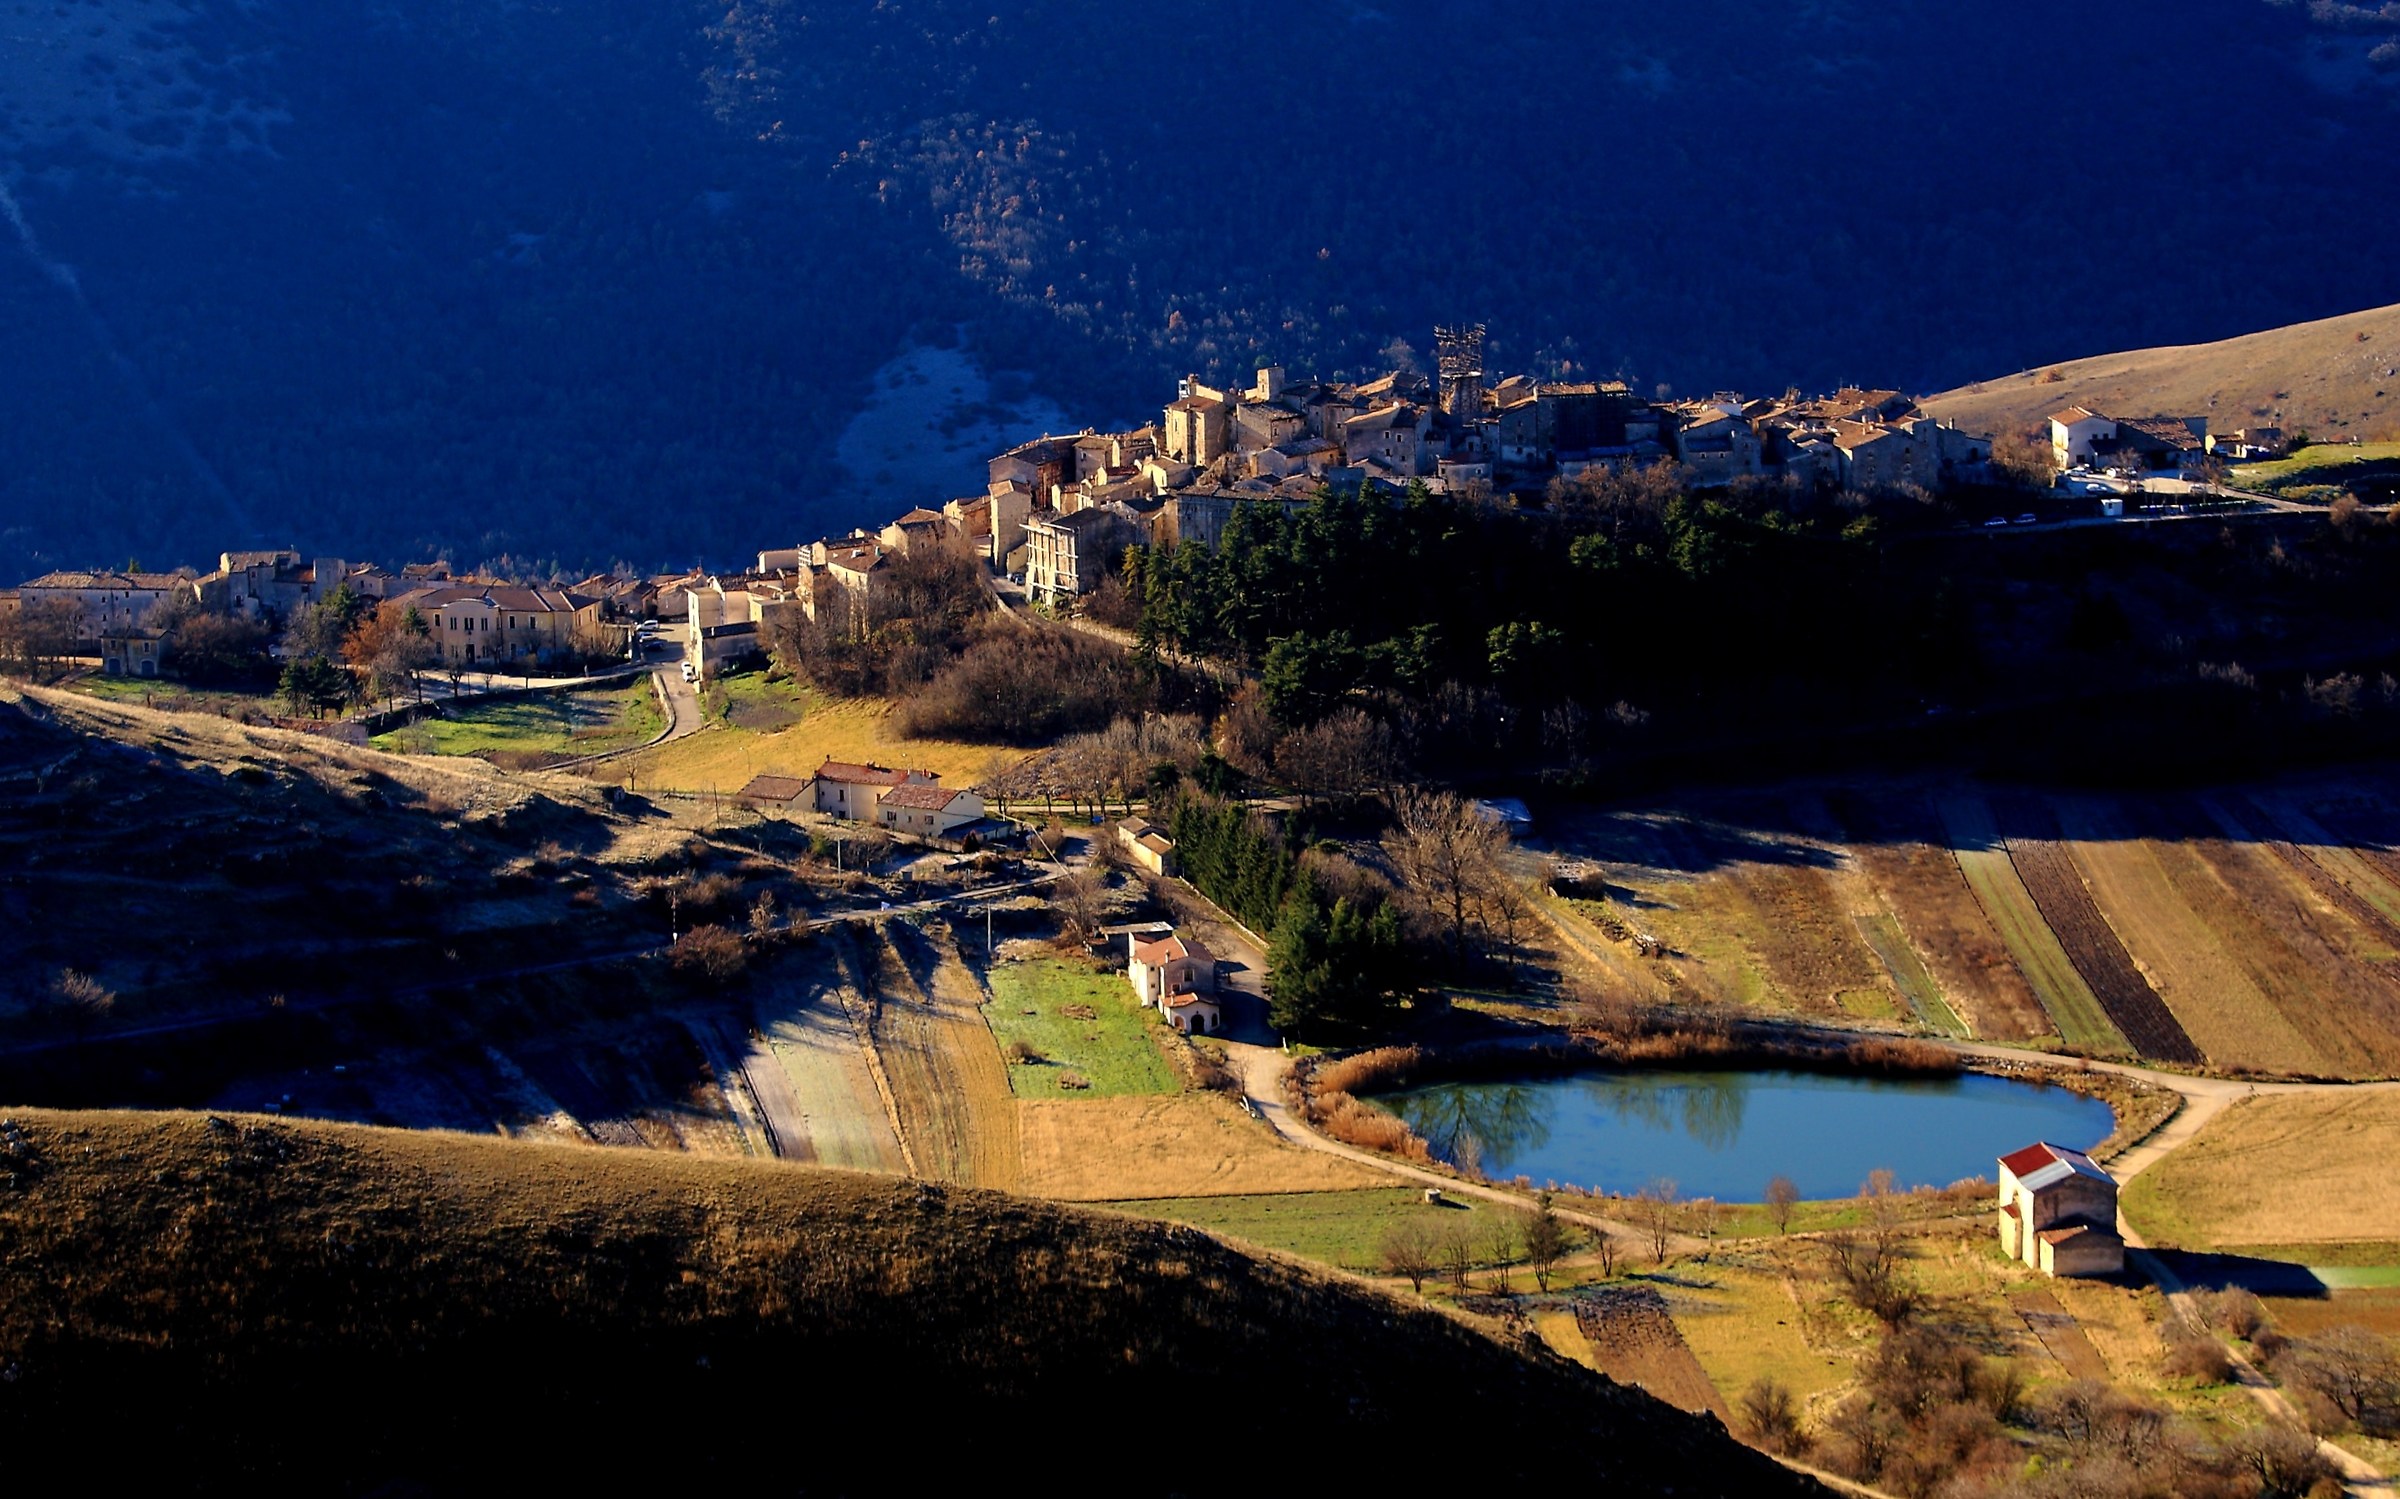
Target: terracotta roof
(1157, 843)
(773, 788)
(919, 517)
(1182, 997)
(921, 797)
(2046, 1165)
(1168, 948)
(2071, 1231)
(2074, 414)
(851, 773)
(854, 557)
(147, 582)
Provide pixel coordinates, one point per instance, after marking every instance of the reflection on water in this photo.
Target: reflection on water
(1724, 1133)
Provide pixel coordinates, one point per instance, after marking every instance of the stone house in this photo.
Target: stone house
(1884, 457)
(1199, 425)
(1716, 442)
(131, 653)
(1147, 846)
(1066, 556)
(1178, 978)
(2058, 1212)
(104, 603)
(1391, 436)
(918, 528)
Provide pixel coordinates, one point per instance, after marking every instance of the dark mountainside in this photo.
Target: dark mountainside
(343, 1310)
(606, 281)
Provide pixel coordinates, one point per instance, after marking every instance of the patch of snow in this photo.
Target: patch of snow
(926, 433)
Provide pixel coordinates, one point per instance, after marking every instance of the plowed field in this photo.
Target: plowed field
(2133, 1007)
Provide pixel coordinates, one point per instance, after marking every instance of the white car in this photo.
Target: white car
(1997, 520)
(691, 673)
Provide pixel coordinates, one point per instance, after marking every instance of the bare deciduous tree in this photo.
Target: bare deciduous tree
(1408, 1250)
(1457, 1251)
(1446, 854)
(1782, 1194)
(1654, 1210)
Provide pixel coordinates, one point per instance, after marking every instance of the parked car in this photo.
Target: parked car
(2029, 519)
(1997, 520)
(691, 672)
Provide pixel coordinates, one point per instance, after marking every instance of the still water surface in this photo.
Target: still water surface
(1723, 1134)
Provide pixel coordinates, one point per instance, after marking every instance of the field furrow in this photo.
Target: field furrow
(2133, 884)
(1984, 862)
(949, 1086)
(2066, 906)
(1883, 934)
(2341, 861)
(1901, 849)
(2367, 935)
(817, 1085)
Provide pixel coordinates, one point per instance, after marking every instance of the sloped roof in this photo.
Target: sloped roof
(773, 788)
(851, 773)
(922, 798)
(499, 596)
(2046, 1165)
(1168, 948)
(2074, 414)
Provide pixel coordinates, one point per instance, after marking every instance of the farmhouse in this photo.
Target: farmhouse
(847, 789)
(1179, 977)
(2058, 1212)
(1147, 846)
(927, 810)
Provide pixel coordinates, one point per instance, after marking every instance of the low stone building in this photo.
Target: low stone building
(2058, 1212)
(1147, 846)
(847, 789)
(778, 795)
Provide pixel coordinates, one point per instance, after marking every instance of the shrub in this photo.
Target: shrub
(1021, 1053)
(2239, 1313)
(2193, 1354)
(1354, 1123)
(1026, 685)
(1770, 1417)
(712, 951)
(1366, 1071)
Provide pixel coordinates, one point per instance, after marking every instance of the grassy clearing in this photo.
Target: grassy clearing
(1343, 1229)
(1989, 871)
(2282, 1170)
(556, 723)
(1106, 1043)
(2332, 463)
(799, 728)
(1185, 1145)
(1745, 1325)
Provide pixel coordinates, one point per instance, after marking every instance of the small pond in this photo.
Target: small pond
(1723, 1134)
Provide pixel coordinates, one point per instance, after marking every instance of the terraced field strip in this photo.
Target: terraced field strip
(726, 1045)
(1898, 844)
(949, 1087)
(2370, 935)
(2362, 879)
(2300, 955)
(1984, 862)
(816, 1083)
(1890, 944)
(2131, 880)
(2060, 1333)
(1634, 1341)
(2136, 1009)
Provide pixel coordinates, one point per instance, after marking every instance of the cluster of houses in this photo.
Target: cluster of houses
(120, 617)
(905, 801)
(2081, 438)
(1078, 501)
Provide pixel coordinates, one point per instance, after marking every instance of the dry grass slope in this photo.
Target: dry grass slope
(2278, 1169)
(282, 1304)
(2322, 376)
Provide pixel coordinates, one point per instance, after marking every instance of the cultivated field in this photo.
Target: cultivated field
(528, 732)
(1076, 1032)
(1633, 1341)
(2287, 1173)
(760, 726)
(2253, 928)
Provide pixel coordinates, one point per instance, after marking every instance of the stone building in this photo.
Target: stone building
(2058, 1212)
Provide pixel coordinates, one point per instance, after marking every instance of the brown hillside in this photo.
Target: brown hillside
(2331, 379)
(229, 1301)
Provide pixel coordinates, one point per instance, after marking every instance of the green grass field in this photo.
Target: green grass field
(1891, 945)
(2330, 463)
(1343, 1229)
(158, 692)
(562, 723)
(1113, 1050)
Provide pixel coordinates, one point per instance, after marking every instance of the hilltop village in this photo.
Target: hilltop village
(1058, 512)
